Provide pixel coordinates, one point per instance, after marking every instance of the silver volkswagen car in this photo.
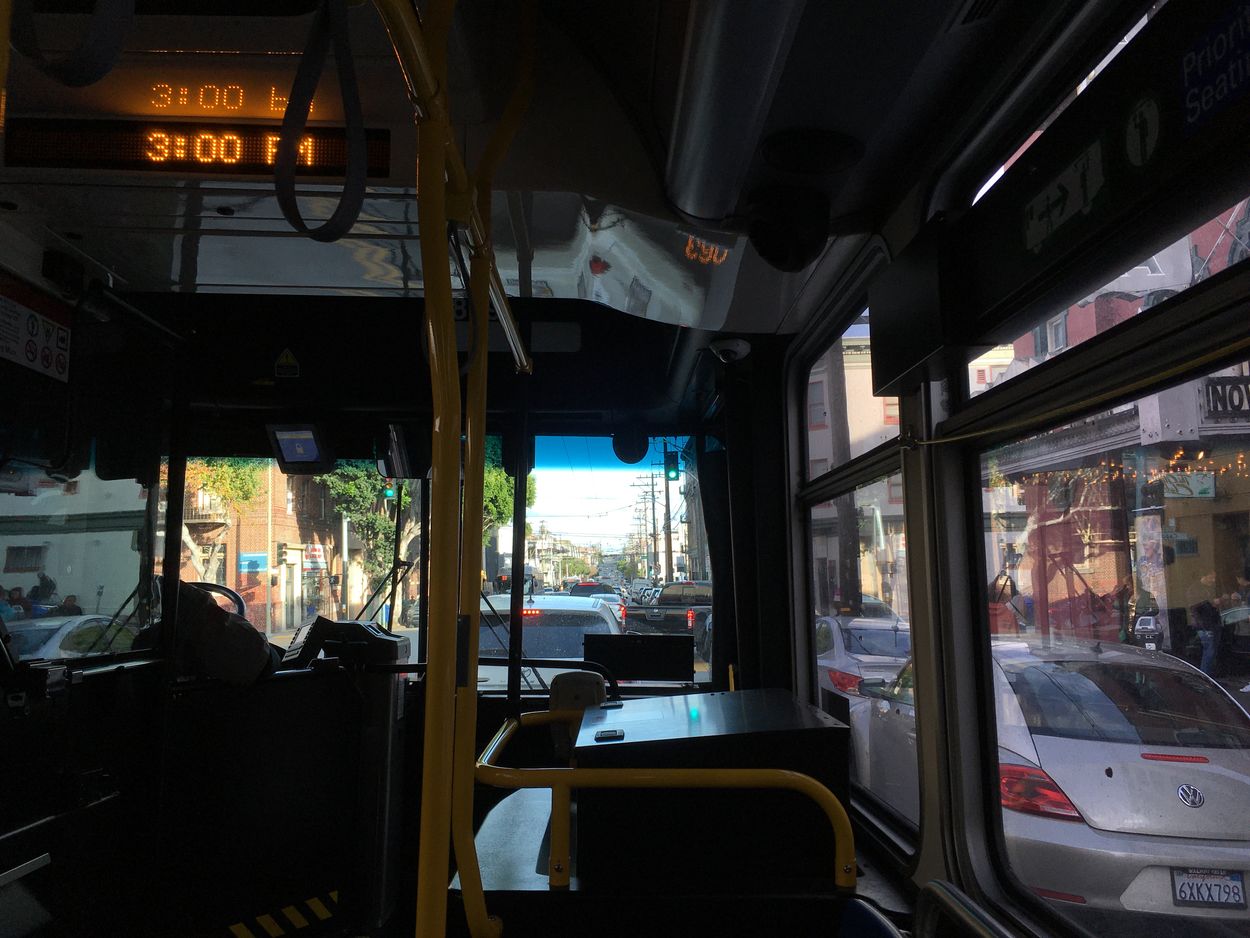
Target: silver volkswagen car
(1124, 776)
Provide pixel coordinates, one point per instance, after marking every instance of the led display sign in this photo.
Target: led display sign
(181, 147)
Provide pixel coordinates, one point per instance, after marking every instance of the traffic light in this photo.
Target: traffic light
(389, 491)
(279, 554)
(672, 470)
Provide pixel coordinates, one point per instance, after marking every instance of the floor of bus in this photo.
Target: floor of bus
(512, 852)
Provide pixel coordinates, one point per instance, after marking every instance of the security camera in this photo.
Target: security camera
(730, 350)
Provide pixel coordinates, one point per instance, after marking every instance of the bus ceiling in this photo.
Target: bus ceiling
(664, 167)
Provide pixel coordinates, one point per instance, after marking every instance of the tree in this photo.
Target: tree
(497, 489)
(357, 491)
(236, 480)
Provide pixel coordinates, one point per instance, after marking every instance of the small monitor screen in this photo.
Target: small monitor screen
(297, 445)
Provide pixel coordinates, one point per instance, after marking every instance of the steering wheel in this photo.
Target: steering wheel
(240, 607)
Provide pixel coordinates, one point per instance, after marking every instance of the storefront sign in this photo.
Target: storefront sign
(1189, 485)
(314, 557)
(1227, 397)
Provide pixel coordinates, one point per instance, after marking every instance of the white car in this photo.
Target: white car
(860, 648)
(615, 605)
(56, 637)
(1124, 777)
(553, 626)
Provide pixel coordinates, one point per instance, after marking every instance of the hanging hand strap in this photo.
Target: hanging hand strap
(95, 56)
(329, 26)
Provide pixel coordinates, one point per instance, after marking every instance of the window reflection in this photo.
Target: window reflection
(1212, 247)
(862, 636)
(1117, 555)
(75, 565)
(844, 419)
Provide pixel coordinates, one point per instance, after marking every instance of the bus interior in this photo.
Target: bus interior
(703, 467)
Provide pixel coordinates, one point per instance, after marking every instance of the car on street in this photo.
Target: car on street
(615, 604)
(679, 608)
(553, 626)
(1124, 776)
(861, 648)
(56, 637)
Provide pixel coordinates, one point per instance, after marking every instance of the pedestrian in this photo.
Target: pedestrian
(1206, 620)
(19, 602)
(69, 607)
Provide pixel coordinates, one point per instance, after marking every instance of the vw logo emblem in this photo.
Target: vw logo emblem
(1191, 796)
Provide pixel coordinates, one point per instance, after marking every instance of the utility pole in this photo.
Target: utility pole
(668, 527)
(655, 533)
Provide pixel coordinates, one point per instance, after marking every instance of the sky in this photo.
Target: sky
(585, 494)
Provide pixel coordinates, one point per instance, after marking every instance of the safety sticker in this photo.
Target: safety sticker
(286, 366)
(33, 340)
(298, 917)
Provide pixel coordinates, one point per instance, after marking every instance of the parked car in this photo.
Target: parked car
(1235, 639)
(861, 648)
(68, 637)
(554, 625)
(1124, 775)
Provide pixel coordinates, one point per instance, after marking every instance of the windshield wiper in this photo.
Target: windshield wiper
(113, 619)
(504, 645)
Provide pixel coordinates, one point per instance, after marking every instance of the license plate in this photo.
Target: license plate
(654, 615)
(1208, 889)
(1151, 646)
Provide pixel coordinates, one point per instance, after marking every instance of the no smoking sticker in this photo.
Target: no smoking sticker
(33, 340)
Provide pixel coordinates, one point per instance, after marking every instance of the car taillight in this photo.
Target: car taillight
(844, 681)
(1031, 791)
(689, 620)
(1172, 757)
(620, 608)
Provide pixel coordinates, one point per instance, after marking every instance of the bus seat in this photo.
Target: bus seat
(573, 690)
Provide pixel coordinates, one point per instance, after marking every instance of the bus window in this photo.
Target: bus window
(1118, 561)
(863, 635)
(1213, 246)
(277, 541)
(75, 565)
(597, 528)
(843, 419)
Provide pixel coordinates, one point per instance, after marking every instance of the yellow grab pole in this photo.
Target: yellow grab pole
(427, 94)
(6, 17)
(440, 677)
(481, 925)
(560, 854)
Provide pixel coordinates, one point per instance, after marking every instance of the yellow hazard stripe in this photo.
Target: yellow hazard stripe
(271, 927)
(293, 915)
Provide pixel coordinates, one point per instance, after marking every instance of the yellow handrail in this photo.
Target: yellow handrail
(440, 676)
(561, 781)
(481, 281)
(420, 62)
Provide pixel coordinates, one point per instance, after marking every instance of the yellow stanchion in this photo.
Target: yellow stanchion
(481, 924)
(440, 677)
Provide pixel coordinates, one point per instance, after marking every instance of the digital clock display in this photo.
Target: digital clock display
(181, 147)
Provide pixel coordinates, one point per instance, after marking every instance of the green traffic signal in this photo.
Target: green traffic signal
(672, 470)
